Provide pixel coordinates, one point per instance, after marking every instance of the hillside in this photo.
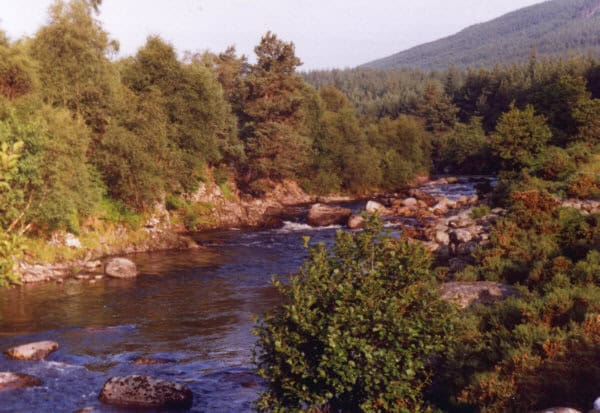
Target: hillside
(552, 28)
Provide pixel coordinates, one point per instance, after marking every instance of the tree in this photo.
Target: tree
(520, 135)
(358, 330)
(436, 107)
(74, 70)
(273, 112)
(200, 126)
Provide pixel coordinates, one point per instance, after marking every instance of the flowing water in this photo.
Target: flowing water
(194, 309)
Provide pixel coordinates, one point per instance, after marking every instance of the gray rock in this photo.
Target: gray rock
(145, 391)
(356, 222)
(120, 268)
(442, 237)
(32, 351)
(462, 235)
(10, 381)
(373, 207)
(465, 294)
(321, 215)
(410, 202)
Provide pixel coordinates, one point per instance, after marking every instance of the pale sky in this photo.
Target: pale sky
(327, 33)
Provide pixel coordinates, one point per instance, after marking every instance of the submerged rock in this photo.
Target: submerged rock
(146, 361)
(465, 294)
(32, 351)
(321, 215)
(145, 391)
(373, 207)
(121, 268)
(9, 381)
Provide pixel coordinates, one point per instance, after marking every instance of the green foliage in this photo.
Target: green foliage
(273, 112)
(480, 211)
(359, 329)
(11, 242)
(520, 135)
(465, 149)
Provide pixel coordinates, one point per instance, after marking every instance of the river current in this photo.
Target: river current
(195, 310)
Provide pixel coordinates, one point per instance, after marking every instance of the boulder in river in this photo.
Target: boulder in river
(147, 361)
(10, 381)
(145, 391)
(356, 222)
(464, 294)
(32, 351)
(121, 268)
(373, 207)
(321, 215)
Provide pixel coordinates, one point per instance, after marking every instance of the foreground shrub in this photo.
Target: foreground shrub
(359, 329)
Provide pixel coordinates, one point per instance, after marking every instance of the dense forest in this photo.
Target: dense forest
(555, 28)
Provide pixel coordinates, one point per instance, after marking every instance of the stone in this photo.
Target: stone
(149, 361)
(10, 381)
(120, 268)
(321, 215)
(462, 235)
(145, 391)
(92, 265)
(356, 222)
(442, 237)
(465, 293)
(72, 241)
(32, 351)
(410, 202)
(373, 207)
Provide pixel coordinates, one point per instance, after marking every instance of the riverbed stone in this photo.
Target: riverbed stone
(10, 381)
(466, 293)
(321, 215)
(356, 222)
(32, 351)
(145, 391)
(373, 207)
(120, 268)
(150, 361)
(442, 237)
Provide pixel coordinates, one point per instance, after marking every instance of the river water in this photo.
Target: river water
(194, 309)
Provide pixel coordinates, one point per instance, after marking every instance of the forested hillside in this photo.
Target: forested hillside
(553, 28)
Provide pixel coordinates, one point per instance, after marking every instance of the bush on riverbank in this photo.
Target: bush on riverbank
(360, 329)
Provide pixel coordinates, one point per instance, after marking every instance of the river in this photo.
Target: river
(194, 309)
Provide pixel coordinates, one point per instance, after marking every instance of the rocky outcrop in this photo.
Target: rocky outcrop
(584, 205)
(145, 391)
(465, 294)
(32, 351)
(120, 268)
(150, 361)
(11, 381)
(321, 215)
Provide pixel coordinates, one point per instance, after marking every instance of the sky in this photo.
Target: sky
(327, 33)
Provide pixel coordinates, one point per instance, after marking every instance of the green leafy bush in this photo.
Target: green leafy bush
(359, 329)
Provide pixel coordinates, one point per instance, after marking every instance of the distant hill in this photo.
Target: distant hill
(552, 28)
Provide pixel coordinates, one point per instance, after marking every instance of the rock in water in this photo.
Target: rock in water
(321, 215)
(356, 222)
(121, 268)
(9, 381)
(32, 351)
(145, 391)
(373, 207)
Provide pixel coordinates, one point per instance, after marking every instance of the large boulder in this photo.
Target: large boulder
(321, 215)
(9, 381)
(32, 351)
(465, 294)
(121, 268)
(145, 391)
